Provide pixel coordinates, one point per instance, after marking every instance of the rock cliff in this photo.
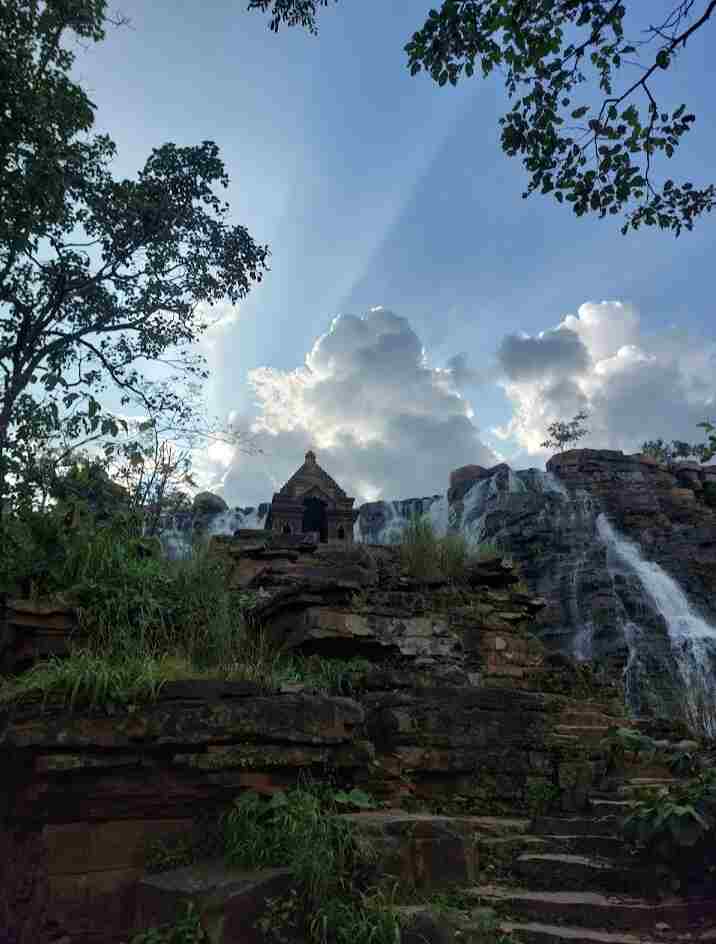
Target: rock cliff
(623, 550)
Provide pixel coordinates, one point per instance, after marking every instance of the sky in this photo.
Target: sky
(419, 315)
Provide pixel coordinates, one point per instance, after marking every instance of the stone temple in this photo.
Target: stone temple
(311, 501)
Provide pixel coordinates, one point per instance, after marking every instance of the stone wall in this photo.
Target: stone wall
(435, 716)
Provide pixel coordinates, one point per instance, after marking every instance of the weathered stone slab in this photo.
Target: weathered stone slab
(413, 636)
(299, 719)
(228, 900)
(420, 850)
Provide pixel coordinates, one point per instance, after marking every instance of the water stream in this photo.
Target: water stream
(693, 641)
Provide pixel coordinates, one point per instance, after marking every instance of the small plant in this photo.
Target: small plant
(683, 764)
(188, 930)
(563, 433)
(332, 676)
(300, 830)
(419, 549)
(670, 820)
(541, 796)
(359, 600)
(355, 798)
(621, 741)
(487, 550)
(161, 856)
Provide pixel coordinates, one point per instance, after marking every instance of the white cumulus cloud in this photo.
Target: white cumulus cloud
(635, 386)
(382, 421)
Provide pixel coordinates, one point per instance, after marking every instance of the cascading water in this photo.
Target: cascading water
(693, 641)
(177, 531)
(583, 648)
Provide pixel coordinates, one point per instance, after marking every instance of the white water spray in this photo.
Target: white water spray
(693, 641)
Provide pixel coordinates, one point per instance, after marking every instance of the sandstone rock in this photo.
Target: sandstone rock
(422, 927)
(420, 850)
(206, 503)
(229, 901)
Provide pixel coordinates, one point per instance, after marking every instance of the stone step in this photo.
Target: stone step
(603, 806)
(606, 846)
(429, 850)
(594, 732)
(585, 716)
(594, 910)
(639, 771)
(578, 872)
(576, 825)
(534, 932)
(638, 783)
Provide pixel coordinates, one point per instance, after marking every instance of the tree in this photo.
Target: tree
(666, 453)
(96, 275)
(563, 433)
(597, 157)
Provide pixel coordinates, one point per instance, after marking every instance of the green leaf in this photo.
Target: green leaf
(580, 112)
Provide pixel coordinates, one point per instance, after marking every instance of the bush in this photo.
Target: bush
(299, 830)
(675, 825)
(188, 930)
(424, 555)
(142, 617)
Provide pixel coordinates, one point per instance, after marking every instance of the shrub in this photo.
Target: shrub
(419, 549)
(424, 555)
(676, 824)
(299, 830)
(188, 930)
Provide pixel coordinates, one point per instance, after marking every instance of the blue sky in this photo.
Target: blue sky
(375, 188)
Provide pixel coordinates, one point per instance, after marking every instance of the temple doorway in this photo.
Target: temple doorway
(315, 517)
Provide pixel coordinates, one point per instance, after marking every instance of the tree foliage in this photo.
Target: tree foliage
(563, 433)
(586, 129)
(96, 275)
(290, 12)
(667, 453)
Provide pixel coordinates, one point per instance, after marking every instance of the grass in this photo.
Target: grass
(425, 555)
(147, 620)
(333, 898)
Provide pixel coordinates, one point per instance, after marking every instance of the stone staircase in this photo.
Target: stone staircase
(550, 880)
(583, 885)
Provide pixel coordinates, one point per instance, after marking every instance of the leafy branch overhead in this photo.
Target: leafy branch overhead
(585, 117)
(97, 275)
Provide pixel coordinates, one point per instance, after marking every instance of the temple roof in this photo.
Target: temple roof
(311, 472)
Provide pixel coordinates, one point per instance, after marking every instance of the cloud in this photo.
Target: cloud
(557, 353)
(633, 385)
(383, 421)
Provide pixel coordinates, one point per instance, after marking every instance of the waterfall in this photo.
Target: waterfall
(582, 646)
(438, 515)
(229, 521)
(692, 640)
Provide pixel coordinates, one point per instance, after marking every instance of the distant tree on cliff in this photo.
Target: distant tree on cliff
(666, 453)
(96, 275)
(596, 151)
(563, 433)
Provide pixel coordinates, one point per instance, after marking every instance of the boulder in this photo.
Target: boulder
(206, 503)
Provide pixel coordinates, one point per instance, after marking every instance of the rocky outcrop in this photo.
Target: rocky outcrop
(599, 607)
(449, 705)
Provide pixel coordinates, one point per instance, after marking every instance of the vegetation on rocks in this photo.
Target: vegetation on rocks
(675, 826)
(424, 555)
(334, 898)
(144, 620)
